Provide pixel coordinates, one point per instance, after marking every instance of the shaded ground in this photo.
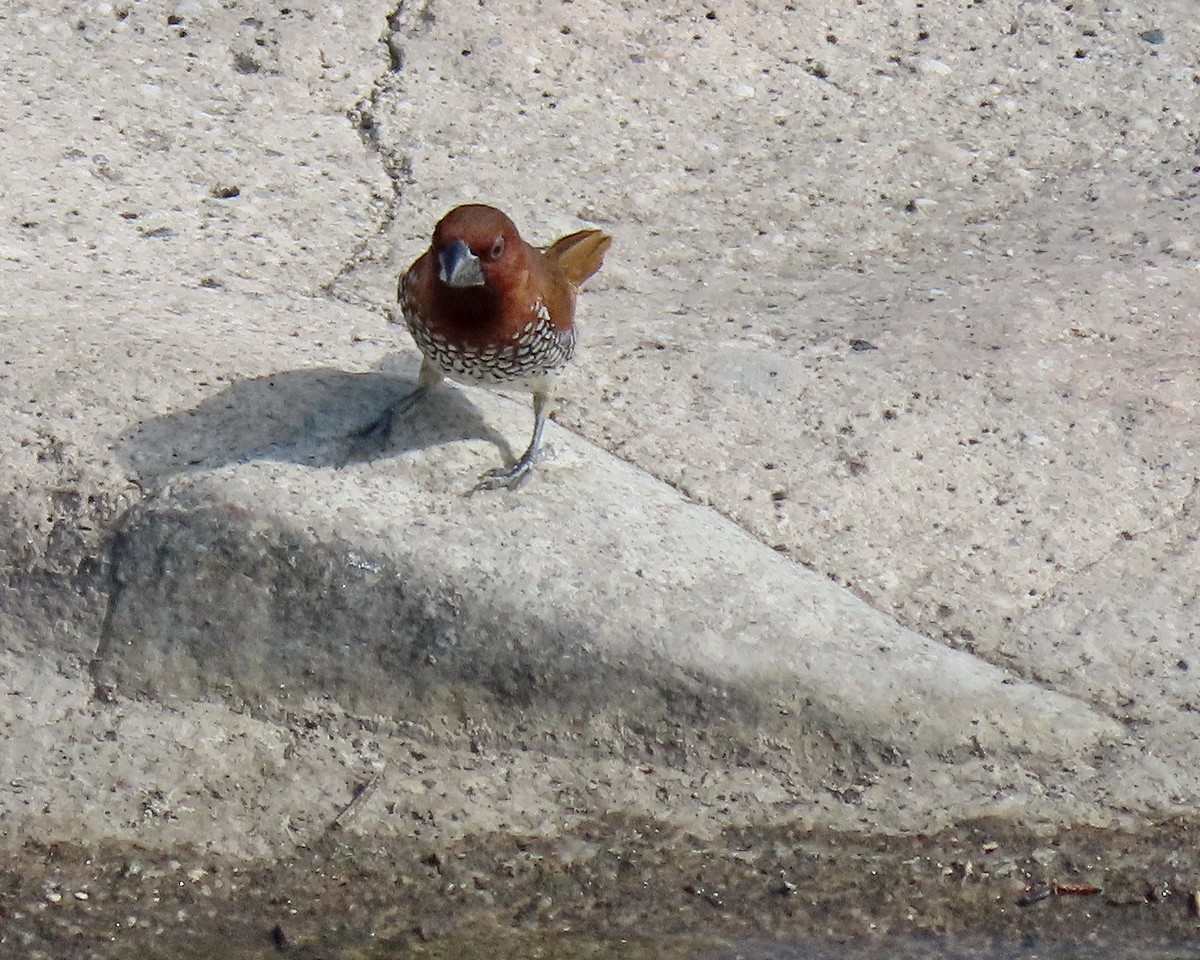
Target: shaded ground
(622, 888)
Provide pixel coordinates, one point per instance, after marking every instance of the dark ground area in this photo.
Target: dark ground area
(624, 889)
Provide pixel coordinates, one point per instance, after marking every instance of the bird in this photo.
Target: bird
(485, 308)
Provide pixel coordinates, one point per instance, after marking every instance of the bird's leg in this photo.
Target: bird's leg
(381, 427)
(370, 440)
(512, 477)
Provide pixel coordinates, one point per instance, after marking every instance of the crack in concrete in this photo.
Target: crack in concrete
(397, 167)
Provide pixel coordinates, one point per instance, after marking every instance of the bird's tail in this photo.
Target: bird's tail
(580, 254)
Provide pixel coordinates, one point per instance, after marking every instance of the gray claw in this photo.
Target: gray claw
(511, 478)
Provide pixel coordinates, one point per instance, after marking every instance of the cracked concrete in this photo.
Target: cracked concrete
(870, 502)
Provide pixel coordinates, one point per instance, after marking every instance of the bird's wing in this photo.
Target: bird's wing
(579, 254)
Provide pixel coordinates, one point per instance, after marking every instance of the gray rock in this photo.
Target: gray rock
(901, 586)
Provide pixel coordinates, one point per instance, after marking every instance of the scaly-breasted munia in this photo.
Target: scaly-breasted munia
(486, 308)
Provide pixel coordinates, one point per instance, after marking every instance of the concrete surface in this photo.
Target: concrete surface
(895, 343)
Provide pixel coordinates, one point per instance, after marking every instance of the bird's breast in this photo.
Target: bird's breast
(520, 352)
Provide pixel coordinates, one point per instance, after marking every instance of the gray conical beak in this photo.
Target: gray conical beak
(458, 266)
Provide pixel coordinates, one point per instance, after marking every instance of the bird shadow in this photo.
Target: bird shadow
(318, 416)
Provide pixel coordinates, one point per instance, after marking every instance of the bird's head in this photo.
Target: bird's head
(475, 246)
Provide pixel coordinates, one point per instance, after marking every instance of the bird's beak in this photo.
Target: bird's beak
(458, 266)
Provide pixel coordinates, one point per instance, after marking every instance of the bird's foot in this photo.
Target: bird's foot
(378, 430)
(367, 442)
(372, 440)
(510, 478)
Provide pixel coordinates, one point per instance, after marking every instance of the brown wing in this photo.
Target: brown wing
(580, 254)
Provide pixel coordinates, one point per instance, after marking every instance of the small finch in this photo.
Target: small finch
(488, 309)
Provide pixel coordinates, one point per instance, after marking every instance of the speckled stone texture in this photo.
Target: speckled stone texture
(896, 341)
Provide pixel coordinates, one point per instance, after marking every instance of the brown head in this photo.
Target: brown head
(480, 285)
(477, 245)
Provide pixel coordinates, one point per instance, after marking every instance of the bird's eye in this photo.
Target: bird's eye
(497, 248)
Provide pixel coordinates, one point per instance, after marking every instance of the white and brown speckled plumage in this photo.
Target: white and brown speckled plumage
(532, 353)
